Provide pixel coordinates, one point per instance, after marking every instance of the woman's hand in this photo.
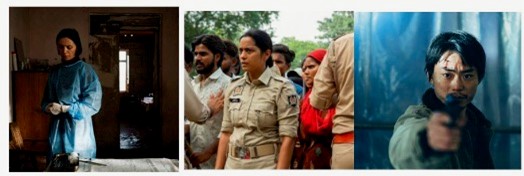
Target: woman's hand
(54, 108)
(222, 150)
(286, 150)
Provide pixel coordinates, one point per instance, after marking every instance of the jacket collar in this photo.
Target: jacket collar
(68, 63)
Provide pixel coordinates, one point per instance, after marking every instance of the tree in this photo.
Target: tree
(301, 49)
(340, 23)
(226, 24)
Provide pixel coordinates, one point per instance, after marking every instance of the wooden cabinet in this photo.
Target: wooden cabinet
(28, 90)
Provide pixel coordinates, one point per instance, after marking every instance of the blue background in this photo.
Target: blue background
(389, 76)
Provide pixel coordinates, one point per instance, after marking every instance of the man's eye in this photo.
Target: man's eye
(446, 75)
(468, 76)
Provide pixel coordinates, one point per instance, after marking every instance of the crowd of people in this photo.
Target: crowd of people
(247, 109)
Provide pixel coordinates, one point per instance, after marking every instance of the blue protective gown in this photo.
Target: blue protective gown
(75, 84)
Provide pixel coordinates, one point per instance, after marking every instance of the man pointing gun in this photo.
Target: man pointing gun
(446, 131)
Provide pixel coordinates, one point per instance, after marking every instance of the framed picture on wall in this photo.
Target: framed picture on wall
(20, 56)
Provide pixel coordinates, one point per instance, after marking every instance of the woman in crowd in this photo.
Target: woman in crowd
(315, 125)
(260, 112)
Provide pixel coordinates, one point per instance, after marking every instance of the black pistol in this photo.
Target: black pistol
(452, 108)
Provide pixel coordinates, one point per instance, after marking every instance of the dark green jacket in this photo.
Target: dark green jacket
(408, 147)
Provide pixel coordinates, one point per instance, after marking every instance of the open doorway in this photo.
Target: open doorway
(138, 115)
(135, 41)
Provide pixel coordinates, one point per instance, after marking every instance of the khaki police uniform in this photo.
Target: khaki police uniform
(257, 113)
(336, 75)
(194, 109)
(275, 69)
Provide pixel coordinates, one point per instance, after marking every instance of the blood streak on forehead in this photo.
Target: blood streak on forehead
(451, 60)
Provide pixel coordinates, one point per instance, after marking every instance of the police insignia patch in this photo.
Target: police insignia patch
(292, 99)
(238, 90)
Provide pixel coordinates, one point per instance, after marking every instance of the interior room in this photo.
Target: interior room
(133, 51)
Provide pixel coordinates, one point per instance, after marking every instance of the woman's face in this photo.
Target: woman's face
(252, 58)
(66, 48)
(309, 70)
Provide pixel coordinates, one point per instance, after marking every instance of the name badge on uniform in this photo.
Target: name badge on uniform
(238, 90)
(234, 100)
(292, 99)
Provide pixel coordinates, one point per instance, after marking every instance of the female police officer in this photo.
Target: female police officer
(260, 112)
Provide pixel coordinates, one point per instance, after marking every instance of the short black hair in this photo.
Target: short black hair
(288, 54)
(212, 42)
(188, 56)
(231, 49)
(465, 44)
(73, 35)
(262, 41)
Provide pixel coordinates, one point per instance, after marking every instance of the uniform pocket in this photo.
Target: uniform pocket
(265, 115)
(234, 112)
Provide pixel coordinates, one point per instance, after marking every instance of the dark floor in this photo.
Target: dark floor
(26, 161)
(135, 135)
(140, 131)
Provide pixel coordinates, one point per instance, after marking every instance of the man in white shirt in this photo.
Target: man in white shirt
(209, 53)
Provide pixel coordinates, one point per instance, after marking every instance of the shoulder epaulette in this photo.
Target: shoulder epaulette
(280, 78)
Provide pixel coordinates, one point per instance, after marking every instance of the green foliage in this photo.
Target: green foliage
(231, 24)
(226, 24)
(340, 23)
(301, 48)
